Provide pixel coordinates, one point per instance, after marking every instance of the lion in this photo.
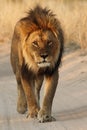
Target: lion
(36, 53)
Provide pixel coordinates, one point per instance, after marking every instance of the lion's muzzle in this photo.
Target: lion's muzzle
(44, 64)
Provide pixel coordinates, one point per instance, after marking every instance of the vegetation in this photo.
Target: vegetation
(72, 15)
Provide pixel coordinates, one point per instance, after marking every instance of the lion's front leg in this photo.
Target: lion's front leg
(38, 84)
(30, 96)
(44, 114)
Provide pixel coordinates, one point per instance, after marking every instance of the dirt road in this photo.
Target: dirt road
(70, 102)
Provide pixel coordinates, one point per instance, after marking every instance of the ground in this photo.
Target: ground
(70, 102)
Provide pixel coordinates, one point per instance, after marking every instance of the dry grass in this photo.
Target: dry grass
(72, 15)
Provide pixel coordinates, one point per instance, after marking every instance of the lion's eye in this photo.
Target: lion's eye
(35, 43)
(50, 43)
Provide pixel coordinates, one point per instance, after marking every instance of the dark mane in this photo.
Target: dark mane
(43, 18)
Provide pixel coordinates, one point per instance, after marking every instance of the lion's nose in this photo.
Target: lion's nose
(44, 56)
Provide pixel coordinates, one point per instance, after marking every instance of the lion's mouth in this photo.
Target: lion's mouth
(43, 64)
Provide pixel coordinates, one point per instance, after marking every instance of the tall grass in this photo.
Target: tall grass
(72, 15)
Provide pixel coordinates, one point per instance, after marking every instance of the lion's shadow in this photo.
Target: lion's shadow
(72, 114)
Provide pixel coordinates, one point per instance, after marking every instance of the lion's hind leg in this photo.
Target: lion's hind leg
(22, 102)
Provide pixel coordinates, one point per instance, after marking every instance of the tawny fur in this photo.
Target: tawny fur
(36, 53)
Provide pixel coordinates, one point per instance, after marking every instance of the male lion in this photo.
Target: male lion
(36, 53)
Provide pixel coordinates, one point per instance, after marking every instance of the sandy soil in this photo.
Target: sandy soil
(70, 102)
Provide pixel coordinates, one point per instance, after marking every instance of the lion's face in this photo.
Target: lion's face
(42, 49)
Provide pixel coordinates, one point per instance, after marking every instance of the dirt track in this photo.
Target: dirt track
(70, 102)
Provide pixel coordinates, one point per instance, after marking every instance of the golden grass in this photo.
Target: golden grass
(72, 15)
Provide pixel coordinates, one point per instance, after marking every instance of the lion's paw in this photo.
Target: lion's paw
(33, 113)
(22, 107)
(44, 117)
